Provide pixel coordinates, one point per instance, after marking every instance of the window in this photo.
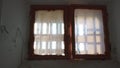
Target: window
(68, 32)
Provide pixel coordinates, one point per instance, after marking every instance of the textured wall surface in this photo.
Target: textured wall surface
(116, 25)
(12, 33)
(70, 64)
(0, 9)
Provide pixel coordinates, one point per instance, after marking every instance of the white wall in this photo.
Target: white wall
(12, 32)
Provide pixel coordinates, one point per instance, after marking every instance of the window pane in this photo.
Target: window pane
(98, 39)
(62, 28)
(63, 47)
(49, 32)
(99, 50)
(54, 45)
(90, 39)
(89, 22)
(35, 45)
(35, 28)
(80, 48)
(54, 28)
(43, 45)
(80, 38)
(90, 49)
(88, 31)
(97, 23)
(98, 32)
(79, 25)
(80, 29)
(44, 28)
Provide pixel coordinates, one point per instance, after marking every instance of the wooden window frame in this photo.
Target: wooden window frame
(105, 29)
(69, 37)
(32, 20)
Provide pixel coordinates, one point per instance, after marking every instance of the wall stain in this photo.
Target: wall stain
(3, 29)
(18, 35)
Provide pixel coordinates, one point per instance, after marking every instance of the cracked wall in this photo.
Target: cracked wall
(13, 33)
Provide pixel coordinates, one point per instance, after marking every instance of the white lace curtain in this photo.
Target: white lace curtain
(49, 32)
(89, 36)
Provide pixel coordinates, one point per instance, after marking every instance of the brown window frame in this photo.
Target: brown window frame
(105, 29)
(69, 37)
(32, 19)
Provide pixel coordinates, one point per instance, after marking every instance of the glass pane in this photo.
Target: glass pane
(63, 46)
(35, 45)
(90, 39)
(98, 39)
(62, 27)
(98, 32)
(80, 29)
(79, 26)
(54, 45)
(54, 31)
(89, 23)
(90, 49)
(89, 31)
(80, 38)
(80, 48)
(97, 23)
(49, 32)
(44, 28)
(35, 28)
(43, 45)
(79, 19)
(99, 50)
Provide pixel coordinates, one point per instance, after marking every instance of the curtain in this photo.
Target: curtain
(89, 35)
(49, 32)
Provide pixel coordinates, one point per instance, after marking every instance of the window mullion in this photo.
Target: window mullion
(40, 33)
(57, 42)
(47, 49)
(94, 33)
(85, 35)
